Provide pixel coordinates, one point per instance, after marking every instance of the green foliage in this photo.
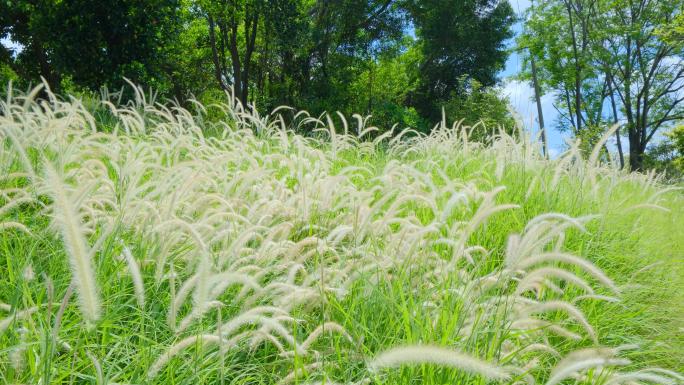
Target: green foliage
(384, 88)
(484, 109)
(397, 60)
(558, 37)
(667, 156)
(610, 61)
(673, 32)
(94, 43)
(677, 138)
(461, 41)
(7, 75)
(325, 48)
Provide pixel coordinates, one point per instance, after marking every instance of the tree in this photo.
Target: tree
(93, 43)
(384, 87)
(647, 70)
(29, 24)
(483, 109)
(595, 51)
(667, 155)
(227, 20)
(676, 138)
(337, 43)
(319, 55)
(461, 40)
(558, 36)
(295, 51)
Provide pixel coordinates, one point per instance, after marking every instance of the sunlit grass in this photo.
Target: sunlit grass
(166, 248)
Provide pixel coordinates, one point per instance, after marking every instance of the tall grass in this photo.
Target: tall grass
(242, 251)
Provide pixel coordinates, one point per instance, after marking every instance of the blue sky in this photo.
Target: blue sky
(521, 94)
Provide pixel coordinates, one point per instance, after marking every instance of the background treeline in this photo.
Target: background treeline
(400, 60)
(613, 61)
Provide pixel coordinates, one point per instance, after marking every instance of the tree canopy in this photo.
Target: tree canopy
(610, 61)
(399, 60)
(402, 61)
(461, 41)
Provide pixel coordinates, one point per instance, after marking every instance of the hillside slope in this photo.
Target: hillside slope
(138, 248)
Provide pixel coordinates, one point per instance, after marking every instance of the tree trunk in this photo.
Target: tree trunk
(540, 112)
(214, 53)
(636, 160)
(235, 60)
(636, 151)
(615, 120)
(51, 76)
(578, 70)
(251, 24)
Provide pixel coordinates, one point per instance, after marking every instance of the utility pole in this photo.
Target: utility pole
(540, 115)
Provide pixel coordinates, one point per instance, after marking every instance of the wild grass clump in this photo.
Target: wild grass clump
(245, 252)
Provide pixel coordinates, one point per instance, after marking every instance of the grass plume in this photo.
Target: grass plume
(67, 219)
(299, 249)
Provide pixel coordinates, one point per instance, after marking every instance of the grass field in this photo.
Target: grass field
(145, 244)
